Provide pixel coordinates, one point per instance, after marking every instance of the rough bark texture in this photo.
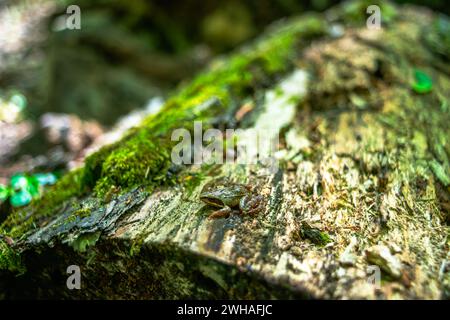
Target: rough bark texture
(363, 180)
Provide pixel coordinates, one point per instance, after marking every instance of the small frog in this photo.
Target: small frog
(228, 196)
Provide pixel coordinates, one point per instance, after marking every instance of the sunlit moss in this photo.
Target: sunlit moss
(10, 259)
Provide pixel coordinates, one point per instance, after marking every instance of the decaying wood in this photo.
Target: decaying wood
(361, 183)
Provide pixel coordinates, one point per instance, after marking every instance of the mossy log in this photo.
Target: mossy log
(363, 178)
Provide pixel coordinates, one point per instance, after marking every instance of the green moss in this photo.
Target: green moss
(78, 214)
(141, 160)
(440, 172)
(82, 213)
(84, 241)
(191, 180)
(10, 259)
(69, 219)
(24, 220)
(93, 166)
(314, 235)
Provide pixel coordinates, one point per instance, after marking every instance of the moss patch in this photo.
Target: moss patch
(10, 259)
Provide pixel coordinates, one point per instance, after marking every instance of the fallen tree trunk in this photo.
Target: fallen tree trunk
(362, 183)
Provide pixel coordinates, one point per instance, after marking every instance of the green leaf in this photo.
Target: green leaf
(45, 179)
(20, 198)
(33, 187)
(21, 182)
(19, 100)
(84, 241)
(423, 83)
(18, 182)
(4, 192)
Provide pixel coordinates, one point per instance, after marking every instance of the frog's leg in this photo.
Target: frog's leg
(251, 204)
(222, 213)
